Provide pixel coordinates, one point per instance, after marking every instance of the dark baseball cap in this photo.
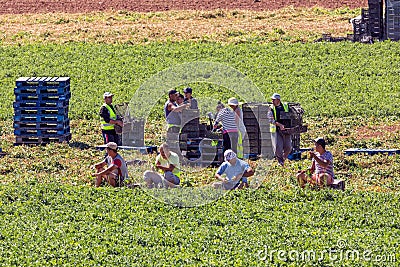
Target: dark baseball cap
(187, 90)
(320, 141)
(172, 92)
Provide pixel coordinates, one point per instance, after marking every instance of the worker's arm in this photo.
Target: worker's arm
(165, 169)
(106, 171)
(221, 171)
(323, 162)
(272, 120)
(117, 122)
(173, 108)
(218, 119)
(249, 172)
(105, 114)
(220, 178)
(100, 165)
(280, 125)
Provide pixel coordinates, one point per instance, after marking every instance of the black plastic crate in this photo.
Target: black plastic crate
(38, 140)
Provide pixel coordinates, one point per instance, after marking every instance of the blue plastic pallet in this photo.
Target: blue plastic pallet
(41, 125)
(42, 118)
(352, 151)
(42, 97)
(41, 111)
(28, 90)
(39, 140)
(41, 132)
(42, 81)
(40, 104)
(295, 155)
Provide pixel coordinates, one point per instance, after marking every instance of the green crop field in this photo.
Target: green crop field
(51, 215)
(328, 79)
(53, 225)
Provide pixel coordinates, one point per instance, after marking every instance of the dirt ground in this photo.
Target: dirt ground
(82, 6)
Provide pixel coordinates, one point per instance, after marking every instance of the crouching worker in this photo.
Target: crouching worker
(320, 173)
(115, 172)
(236, 172)
(167, 162)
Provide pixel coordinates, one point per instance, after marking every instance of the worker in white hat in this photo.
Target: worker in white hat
(234, 104)
(281, 142)
(233, 173)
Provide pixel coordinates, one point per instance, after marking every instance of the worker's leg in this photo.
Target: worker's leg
(111, 180)
(99, 179)
(152, 179)
(287, 145)
(273, 142)
(240, 146)
(301, 179)
(110, 136)
(322, 179)
(226, 141)
(279, 148)
(234, 141)
(171, 180)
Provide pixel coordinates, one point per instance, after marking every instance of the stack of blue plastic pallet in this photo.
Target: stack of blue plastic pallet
(41, 110)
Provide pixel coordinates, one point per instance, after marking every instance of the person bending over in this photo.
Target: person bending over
(233, 173)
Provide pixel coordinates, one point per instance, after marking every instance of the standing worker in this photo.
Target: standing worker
(234, 104)
(189, 98)
(281, 142)
(109, 120)
(171, 112)
(226, 117)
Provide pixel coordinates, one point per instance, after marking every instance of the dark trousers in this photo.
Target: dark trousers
(111, 136)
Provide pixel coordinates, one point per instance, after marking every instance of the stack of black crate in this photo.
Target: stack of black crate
(41, 110)
(375, 18)
(189, 136)
(258, 139)
(361, 26)
(293, 121)
(392, 19)
(196, 149)
(190, 123)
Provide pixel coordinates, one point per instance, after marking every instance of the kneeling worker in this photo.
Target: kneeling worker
(236, 171)
(320, 172)
(116, 171)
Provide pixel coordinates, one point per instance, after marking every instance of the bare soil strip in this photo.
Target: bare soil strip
(84, 6)
(225, 26)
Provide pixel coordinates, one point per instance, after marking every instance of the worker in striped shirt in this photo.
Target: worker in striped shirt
(226, 117)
